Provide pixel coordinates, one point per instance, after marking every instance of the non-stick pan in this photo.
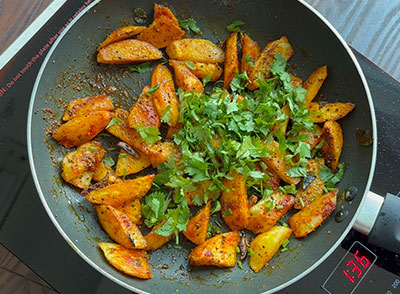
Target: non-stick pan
(70, 71)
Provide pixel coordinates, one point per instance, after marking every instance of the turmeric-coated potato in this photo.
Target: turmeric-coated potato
(133, 210)
(314, 138)
(121, 193)
(200, 50)
(82, 129)
(313, 215)
(333, 145)
(128, 164)
(121, 34)
(219, 251)
(155, 241)
(82, 106)
(202, 69)
(296, 81)
(159, 152)
(130, 261)
(231, 65)
(128, 51)
(119, 227)
(313, 191)
(196, 228)
(314, 83)
(184, 78)
(321, 112)
(160, 10)
(105, 172)
(143, 113)
(202, 190)
(250, 53)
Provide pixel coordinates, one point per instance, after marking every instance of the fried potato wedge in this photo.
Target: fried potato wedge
(128, 51)
(165, 95)
(202, 188)
(202, 69)
(143, 113)
(199, 50)
(82, 129)
(83, 106)
(129, 261)
(184, 78)
(121, 193)
(119, 227)
(196, 228)
(322, 112)
(296, 81)
(332, 148)
(268, 211)
(313, 191)
(219, 251)
(277, 163)
(282, 125)
(128, 164)
(313, 215)
(160, 10)
(251, 50)
(83, 181)
(314, 83)
(155, 241)
(266, 245)
(234, 209)
(133, 210)
(120, 34)
(105, 172)
(263, 64)
(231, 65)
(159, 152)
(314, 166)
(314, 137)
(85, 158)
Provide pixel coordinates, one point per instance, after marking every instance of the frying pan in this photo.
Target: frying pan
(70, 71)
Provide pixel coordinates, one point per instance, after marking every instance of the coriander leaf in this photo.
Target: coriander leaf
(227, 212)
(109, 161)
(154, 208)
(329, 177)
(150, 135)
(190, 64)
(190, 25)
(153, 90)
(164, 60)
(113, 121)
(297, 171)
(234, 27)
(122, 155)
(249, 60)
(92, 148)
(288, 189)
(141, 68)
(176, 220)
(216, 207)
(238, 82)
(279, 65)
(207, 79)
(165, 116)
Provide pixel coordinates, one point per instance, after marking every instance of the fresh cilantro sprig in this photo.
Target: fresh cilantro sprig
(150, 135)
(190, 24)
(234, 26)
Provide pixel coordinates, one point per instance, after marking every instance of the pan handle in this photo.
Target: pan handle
(379, 218)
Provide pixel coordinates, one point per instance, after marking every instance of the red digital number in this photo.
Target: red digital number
(355, 268)
(362, 260)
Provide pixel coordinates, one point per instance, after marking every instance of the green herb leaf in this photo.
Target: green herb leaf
(288, 189)
(227, 212)
(190, 64)
(109, 161)
(249, 60)
(122, 155)
(240, 265)
(216, 207)
(234, 27)
(154, 208)
(113, 121)
(141, 68)
(250, 252)
(329, 177)
(190, 25)
(207, 79)
(92, 148)
(151, 91)
(297, 171)
(165, 116)
(150, 135)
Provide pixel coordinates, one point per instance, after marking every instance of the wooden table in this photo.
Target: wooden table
(371, 27)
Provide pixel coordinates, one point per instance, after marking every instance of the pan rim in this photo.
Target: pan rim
(132, 288)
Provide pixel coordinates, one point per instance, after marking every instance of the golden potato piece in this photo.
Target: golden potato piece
(234, 209)
(82, 106)
(121, 193)
(314, 137)
(296, 81)
(219, 251)
(282, 125)
(86, 158)
(202, 69)
(322, 112)
(277, 163)
(251, 50)
(313, 215)
(144, 113)
(314, 166)
(133, 210)
(121, 34)
(160, 10)
(103, 171)
(159, 152)
(310, 194)
(130, 261)
(184, 78)
(155, 241)
(200, 50)
(82, 129)
(119, 227)
(165, 95)
(196, 229)
(266, 245)
(314, 83)
(268, 211)
(128, 51)
(128, 164)
(231, 65)
(333, 137)
(83, 181)
(201, 189)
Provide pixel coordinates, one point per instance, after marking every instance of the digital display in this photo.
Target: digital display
(353, 267)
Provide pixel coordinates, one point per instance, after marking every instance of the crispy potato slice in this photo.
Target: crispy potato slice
(202, 69)
(249, 48)
(322, 112)
(196, 229)
(332, 148)
(184, 78)
(83, 181)
(121, 193)
(160, 10)
(231, 65)
(144, 113)
(282, 125)
(82, 129)
(314, 83)
(155, 241)
(130, 261)
(314, 137)
(313, 215)
(268, 211)
(310, 194)
(119, 227)
(219, 251)
(120, 34)
(103, 171)
(159, 152)
(133, 210)
(277, 163)
(199, 50)
(128, 51)
(296, 81)
(85, 158)
(234, 208)
(263, 64)
(128, 164)
(165, 95)
(314, 166)
(266, 245)
(82, 106)
(201, 189)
